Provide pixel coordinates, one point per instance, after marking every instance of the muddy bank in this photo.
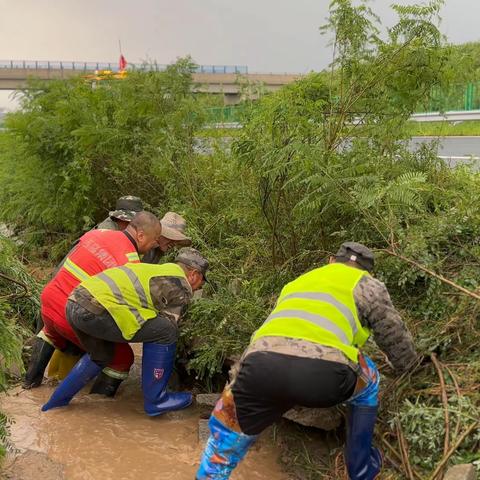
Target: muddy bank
(31, 464)
(112, 439)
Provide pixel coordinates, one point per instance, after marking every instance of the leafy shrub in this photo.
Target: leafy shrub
(424, 428)
(317, 163)
(19, 310)
(75, 147)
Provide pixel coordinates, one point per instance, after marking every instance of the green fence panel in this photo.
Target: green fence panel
(456, 97)
(230, 114)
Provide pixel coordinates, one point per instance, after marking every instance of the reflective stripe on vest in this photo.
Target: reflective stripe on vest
(115, 373)
(120, 299)
(322, 322)
(125, 293)
(137, 285)
(75, 270)
(326, 297)
(319, 307)
(133, 257)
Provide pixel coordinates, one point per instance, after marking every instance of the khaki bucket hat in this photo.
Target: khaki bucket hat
(173, 228)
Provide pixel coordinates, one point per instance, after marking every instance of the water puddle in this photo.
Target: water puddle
(112, 439)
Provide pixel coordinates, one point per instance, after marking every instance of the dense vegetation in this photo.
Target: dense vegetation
(465, 60)
(302, 176)
(19, 310)
(75, 145)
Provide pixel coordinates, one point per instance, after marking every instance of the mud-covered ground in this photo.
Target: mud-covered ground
(112, 439)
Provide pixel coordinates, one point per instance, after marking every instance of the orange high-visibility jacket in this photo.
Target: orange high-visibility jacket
(96, 251)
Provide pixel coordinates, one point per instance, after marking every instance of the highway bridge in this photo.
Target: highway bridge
(224, 80)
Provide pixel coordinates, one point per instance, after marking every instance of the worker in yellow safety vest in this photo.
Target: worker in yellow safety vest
(136, 302)
(63, 360)
(307, 353)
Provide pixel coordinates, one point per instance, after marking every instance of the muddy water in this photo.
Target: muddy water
(112, 439)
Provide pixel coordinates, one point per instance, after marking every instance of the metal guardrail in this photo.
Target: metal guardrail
(113, 66)
(454, 116)
(231, 116)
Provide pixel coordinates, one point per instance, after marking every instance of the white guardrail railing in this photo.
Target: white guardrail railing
(454, 116)
(113, 66)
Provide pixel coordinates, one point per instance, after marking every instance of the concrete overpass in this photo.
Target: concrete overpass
(226, 80)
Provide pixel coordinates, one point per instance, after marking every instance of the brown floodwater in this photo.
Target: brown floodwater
(112, 439)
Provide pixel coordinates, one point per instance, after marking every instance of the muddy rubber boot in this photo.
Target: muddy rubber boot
(106, 385)
(157, 366)
(224, 450)
(364, 461)
(79, 376)
(61, 364)
(42, 351)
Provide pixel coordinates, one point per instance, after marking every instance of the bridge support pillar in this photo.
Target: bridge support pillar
(231, 98)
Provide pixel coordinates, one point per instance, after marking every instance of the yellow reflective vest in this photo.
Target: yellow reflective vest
(319, 307)
(125, 292)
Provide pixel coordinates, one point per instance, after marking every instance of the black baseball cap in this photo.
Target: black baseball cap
(358, 253)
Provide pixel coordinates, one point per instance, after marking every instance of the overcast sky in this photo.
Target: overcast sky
(265, 35)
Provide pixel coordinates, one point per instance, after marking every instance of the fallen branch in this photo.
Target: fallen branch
(21, 284)
(394, 464)
(459, 394)
(438, 367)
(404, 450)
(452, 450)
(399, 458)
(432, 273)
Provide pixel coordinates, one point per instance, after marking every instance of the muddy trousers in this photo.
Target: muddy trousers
(99, 334)
(103, 340)
(269, 384)
(60, 335)
(101, 337)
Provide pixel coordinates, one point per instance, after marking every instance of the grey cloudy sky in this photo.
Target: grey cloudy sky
(265, 35)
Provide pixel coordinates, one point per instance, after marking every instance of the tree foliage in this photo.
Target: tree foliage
(328, 142)
(75, 146)
(465, 62)
(19, 310)
(322, 161)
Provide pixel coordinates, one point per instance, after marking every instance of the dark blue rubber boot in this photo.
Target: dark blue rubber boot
(79, 376)
(363, 460)
(157, 366)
